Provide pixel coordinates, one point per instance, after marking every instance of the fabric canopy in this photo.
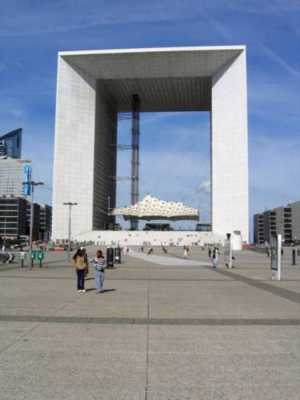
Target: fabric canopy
(151, 208)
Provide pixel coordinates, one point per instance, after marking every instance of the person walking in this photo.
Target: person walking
(185, 252)
(81, 265)
(215, 257)
(99, 265)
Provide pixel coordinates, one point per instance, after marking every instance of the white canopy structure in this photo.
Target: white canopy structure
(151, 208)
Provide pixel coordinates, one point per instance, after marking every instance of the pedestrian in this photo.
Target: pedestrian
(209, 253)
(99, 265)
(215, 257)
(84, 253)
(81, 265)
(185, 251)
(150, 251)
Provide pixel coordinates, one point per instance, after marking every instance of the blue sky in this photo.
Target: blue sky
(33, 31)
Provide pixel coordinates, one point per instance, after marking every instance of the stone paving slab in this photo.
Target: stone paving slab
(11, 332)
(159, 332)
(196, 300)
(103, 360)
(225, 391)
(227, 363)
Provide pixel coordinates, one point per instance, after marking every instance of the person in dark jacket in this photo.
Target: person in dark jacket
(81, 265)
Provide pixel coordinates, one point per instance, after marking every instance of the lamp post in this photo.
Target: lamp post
(70, 205)
(32, 185)
(4, 240)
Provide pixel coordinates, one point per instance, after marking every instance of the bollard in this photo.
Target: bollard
(33, 256)
(293, 257)
(110, 257)
(118, 259)
(40, 257)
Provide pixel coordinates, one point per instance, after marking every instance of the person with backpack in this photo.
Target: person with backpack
(99, 265)
(84, 253)
(81, 265)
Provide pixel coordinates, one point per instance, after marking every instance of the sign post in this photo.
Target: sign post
(275, 247)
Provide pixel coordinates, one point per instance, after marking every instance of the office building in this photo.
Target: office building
(45, 222)
(295, 211)
(284, 220)
(11, 144)
(259, 229)
(93, 86)
(36, 221)
(13, 217)
(12, 176)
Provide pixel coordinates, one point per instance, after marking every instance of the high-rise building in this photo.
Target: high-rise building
(13, 217)
(15, 175)
(11, 144)
(93, 87)
(11, 177)
(45, 222)
(36, 220)
(295, 211)
(284, 220)
(259, 229)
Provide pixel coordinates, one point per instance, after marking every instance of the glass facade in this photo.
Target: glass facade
(12, 177)
(13, 214)
(11, 144)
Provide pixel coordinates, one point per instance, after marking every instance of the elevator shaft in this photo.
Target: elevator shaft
(135, 156)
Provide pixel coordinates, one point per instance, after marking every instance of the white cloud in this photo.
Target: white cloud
(204, 187)
(281, 61)
(65, 16)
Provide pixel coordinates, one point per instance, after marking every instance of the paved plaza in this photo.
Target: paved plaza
(165, 328)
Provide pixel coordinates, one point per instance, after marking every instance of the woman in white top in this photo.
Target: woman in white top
(99, 265)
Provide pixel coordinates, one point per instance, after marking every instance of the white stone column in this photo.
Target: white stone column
(73, 175)
(229, 149)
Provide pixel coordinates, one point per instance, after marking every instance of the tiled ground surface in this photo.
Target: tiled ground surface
(177, 331)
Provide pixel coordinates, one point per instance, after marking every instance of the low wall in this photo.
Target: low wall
(151, 238)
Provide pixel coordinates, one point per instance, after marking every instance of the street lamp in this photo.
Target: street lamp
(70, 205)
(4, 240)
(32, 185)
